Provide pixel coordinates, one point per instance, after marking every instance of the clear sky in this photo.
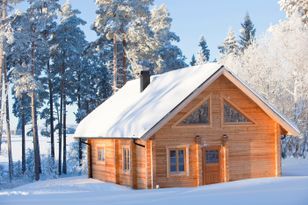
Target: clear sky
(193, 18)
(211, 18)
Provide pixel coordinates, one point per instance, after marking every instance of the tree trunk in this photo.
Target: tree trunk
(60, 137)
(23, 137)
(64, 133)
(8, 125)
(80, 151)
(114, 87)
(124, 59)
(3, 16)
(51, 119)
(1, 109)
(61, 117)
(79, 108)
(36, 148)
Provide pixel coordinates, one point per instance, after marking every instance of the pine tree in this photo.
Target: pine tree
(248, 32)
(193, 60)
(230, 45)
(5, 34)
(21, 77)
(22, 110)
(40, 13)
(112, 22)
(204, 48)
(68, 44)
(167, 56)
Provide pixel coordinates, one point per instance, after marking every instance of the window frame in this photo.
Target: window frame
(249, 123)
(218, 156)
(99, 147)
(185, 148)
(179, 123)
(126, 159)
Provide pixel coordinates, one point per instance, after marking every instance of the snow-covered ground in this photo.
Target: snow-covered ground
(16, 147)
(291, 189)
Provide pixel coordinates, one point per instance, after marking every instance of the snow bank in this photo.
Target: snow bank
(288, 190)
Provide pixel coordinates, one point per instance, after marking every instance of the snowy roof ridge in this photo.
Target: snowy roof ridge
(130, 113)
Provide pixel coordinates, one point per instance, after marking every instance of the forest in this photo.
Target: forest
(46, 65)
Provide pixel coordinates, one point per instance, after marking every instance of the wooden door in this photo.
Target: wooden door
(212, 164)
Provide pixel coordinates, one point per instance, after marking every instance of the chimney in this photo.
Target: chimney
(144, 79)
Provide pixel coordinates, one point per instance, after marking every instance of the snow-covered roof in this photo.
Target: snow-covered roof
(130, 113)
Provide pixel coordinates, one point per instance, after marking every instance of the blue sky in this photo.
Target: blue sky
(211, 18)
(191, 19)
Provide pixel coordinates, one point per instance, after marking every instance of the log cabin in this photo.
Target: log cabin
(188, 127)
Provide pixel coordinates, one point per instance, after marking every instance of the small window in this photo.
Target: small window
(101, 154)
(199, 116)
(212, 156)
(232, 115)
(126, 159)
(176, 160)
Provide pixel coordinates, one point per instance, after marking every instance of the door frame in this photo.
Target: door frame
(222, 162)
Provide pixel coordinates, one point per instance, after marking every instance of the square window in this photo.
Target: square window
(212, 156)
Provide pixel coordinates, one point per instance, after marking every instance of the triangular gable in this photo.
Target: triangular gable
(233, 115)
(200, 115)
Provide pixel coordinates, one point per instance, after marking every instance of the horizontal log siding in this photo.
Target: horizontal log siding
(251, 149)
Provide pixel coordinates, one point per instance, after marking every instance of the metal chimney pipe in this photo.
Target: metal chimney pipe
(144, 79)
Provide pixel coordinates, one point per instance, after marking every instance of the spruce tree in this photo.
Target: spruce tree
(230, 45)
(204, 48)
(193, 60)
(247, 33)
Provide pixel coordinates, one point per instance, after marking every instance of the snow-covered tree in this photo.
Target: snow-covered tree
(40, 14)
(295, 7)
(200, 59)
(247, 33)
(204, 48)
(230, 45)
(276, 65)
(68, 44)
(168, 56)
(113, 20)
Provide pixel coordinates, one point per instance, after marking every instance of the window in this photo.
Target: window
(176, 160)
(126, 159)
(232, 115)
(101, 154)
(212, 156)
(199, 116)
